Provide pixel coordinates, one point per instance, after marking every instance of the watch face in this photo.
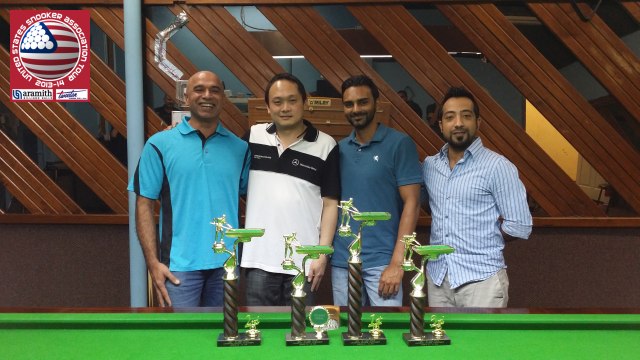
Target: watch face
(319, 316)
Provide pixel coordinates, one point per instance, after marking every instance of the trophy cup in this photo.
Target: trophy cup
(355, 336)
(417, 337)
(231, 337)
(319, 316)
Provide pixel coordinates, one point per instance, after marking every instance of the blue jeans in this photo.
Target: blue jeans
(197, 288)
(371, 279)
(271, 289)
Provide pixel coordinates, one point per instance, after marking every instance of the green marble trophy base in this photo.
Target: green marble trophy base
(309, 338)
(243, 339)
(364, 339)
(427, 340)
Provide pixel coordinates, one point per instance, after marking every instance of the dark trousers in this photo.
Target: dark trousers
(271, 289)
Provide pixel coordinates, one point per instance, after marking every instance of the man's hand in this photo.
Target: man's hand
(159, 274)
(390, 281)
(316, 272)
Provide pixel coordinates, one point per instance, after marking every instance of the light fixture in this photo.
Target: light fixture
(468, 54)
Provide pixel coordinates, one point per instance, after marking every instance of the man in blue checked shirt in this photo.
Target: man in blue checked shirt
(477, 203)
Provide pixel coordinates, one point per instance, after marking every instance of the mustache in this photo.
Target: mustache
(361, 113)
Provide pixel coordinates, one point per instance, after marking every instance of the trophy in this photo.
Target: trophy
(318, 317)
(231, 337)
(355, 336)
(417, 337)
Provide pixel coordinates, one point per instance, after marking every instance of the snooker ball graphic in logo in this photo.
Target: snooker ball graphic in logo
(49, 50)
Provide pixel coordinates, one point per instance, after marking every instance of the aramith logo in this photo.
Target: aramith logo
(50, 50)
(32, 94)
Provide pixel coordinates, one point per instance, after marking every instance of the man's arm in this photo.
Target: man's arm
(146, 230)
(391, 277)
(328, 223)
(511, 198)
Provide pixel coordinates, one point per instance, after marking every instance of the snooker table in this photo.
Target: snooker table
(165, 333)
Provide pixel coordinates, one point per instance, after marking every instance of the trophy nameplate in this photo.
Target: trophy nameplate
(427, 340)
(375, 336)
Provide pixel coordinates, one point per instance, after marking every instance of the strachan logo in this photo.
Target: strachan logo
(50, 50)
(70, 94)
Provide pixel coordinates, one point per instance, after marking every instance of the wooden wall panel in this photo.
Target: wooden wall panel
(28, 183)
(599, 49)
(435, 70)
(111, 21)
(73, 144)
(234, 46)
(551, 94)
(109, 99)
(413, 47)
(633, 8)
(336, 60)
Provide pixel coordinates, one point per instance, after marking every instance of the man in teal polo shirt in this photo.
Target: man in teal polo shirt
(380, 170)
(197, 170)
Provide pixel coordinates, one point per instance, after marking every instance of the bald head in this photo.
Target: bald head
(205, 95)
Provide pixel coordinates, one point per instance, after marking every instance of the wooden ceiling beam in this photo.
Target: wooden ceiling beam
(599, 49)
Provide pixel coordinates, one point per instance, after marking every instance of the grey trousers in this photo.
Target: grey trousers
(491, 292)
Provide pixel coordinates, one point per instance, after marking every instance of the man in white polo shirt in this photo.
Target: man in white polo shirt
(294, 187)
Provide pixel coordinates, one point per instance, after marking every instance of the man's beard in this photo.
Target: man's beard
(460, 146)
(368, 119)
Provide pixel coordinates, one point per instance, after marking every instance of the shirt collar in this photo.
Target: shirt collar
(185, 128)
(310, 134)
(473, 149)
(380, 133)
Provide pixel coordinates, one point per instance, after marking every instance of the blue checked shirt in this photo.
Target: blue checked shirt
(466, 204)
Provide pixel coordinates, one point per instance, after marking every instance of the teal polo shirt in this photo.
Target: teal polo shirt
(196, 180)
(371, 174)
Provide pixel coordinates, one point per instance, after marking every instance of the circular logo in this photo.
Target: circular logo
(49, 50)
(319, 316)
(295, 162)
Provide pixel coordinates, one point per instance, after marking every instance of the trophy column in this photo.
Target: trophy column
(417, 336)
(298, 322)
(355, 300)
(298, 335)
(416, 325)
(230, 312)
(230, 335)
